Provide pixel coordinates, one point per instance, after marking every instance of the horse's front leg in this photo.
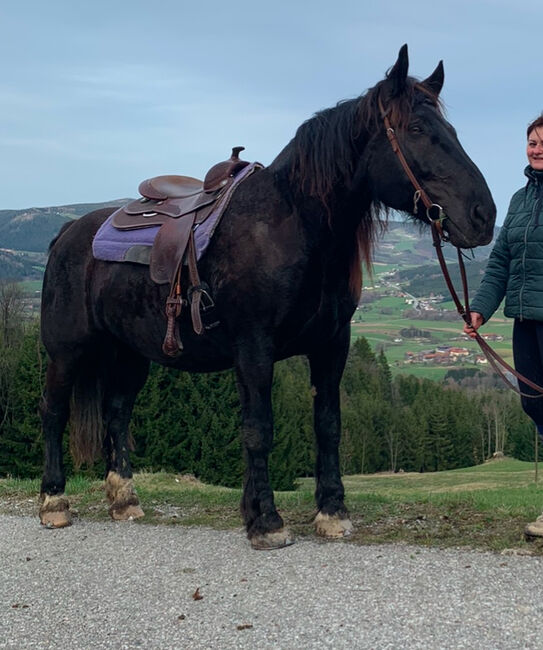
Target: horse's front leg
(265, 528)
(327, 365)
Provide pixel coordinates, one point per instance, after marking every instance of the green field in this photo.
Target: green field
(482, 507)
(381, 321)
(30, 287)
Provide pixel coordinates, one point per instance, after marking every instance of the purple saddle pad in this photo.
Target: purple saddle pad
(113, 245)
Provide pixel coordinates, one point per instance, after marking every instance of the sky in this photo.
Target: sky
(97, 96)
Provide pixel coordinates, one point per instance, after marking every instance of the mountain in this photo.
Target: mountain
(410, 244)
(25, 236)
(20, 266)
(32, 229)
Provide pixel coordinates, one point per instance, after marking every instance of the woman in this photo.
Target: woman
(515, 270)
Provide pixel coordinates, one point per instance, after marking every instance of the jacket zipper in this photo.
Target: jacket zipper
(534, 208)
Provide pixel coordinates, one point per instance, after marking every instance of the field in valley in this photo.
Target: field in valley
(380, 319)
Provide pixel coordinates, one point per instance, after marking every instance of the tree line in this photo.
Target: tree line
(190, 423)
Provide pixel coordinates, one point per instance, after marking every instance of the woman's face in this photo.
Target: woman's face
(534, 149)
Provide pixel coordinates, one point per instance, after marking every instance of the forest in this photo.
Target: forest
(191, 423)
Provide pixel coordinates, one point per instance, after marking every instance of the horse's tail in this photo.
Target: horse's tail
(87, 427)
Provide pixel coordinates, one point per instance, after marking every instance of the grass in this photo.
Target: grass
(484, 507)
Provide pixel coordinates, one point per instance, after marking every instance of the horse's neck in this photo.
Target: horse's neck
(348, 200)
(331, 230)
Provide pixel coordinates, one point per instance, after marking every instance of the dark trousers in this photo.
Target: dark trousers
(528, 355)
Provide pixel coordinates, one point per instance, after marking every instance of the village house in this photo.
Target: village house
(441, 354)
(455, 353)
(490, 336)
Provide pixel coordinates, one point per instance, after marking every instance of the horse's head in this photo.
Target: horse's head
(432, 152)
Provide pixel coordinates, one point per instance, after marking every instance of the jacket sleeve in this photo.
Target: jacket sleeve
(494, 283)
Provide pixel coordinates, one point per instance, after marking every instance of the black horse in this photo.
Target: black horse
(284, 270)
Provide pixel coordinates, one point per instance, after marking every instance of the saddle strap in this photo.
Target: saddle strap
(196, 287)
(172, 344)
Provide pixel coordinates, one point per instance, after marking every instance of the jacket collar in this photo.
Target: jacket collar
(534, 175)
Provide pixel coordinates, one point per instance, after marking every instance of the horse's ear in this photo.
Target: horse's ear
(396, 79)
(434, 83)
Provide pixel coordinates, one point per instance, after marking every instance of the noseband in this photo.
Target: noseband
(436, 216)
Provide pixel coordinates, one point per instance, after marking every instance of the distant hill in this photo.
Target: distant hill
(18, 266)
(409, 244)
(428, 279)
(32, 229)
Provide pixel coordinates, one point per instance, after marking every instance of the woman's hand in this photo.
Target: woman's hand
(476, 322)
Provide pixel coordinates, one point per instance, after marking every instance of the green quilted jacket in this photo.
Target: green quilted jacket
(515, 266)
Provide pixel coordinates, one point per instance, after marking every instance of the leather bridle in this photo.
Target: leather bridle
(436, 216)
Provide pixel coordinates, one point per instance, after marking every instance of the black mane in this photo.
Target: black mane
(328, 146)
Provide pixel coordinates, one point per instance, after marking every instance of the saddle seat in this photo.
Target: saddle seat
(161, 188)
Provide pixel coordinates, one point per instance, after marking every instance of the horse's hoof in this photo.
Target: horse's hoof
(126, 514)
(535, 528)
(332, 526)
(270, 541)
(56, 519)
(123, 498)
(55, 512)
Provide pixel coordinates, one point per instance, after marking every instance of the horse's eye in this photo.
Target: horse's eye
(414, 128)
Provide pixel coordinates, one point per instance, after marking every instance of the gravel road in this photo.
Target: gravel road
(108, 585)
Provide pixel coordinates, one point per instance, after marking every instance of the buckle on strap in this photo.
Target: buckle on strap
(205, 299)
(202, 305)
(440, 217)
(437, 220)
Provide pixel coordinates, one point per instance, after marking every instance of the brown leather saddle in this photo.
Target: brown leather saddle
(165, 197)
(177, 204)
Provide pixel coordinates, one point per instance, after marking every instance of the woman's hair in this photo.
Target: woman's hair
(534, 125)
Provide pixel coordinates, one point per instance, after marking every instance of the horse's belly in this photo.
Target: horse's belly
(208, 352)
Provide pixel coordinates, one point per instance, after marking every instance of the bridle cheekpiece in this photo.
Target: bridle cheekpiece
(434, 212)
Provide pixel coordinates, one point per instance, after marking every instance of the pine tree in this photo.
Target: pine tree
(21, 446)
(293, 453)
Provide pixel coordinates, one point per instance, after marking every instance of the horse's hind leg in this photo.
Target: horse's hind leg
(327, 366)
(128, 376)
(265, 528)
(55, 410)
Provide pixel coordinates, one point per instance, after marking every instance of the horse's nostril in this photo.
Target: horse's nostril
(482, 219)
(477, 214)
(484, 213)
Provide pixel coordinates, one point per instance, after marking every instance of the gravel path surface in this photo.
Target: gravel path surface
(107, 585)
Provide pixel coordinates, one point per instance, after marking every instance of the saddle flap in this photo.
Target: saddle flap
(169, 248)
(144, 214)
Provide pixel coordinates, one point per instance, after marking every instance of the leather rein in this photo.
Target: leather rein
(436, 216)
